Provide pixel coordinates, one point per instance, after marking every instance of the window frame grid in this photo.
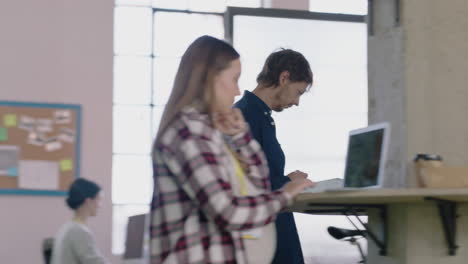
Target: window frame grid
(228, 19)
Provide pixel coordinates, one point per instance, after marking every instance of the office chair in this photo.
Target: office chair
(47, 245)
(351, 236)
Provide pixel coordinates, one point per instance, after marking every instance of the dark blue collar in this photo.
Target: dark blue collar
(257, 102)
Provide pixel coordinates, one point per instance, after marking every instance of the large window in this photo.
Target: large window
(313, 135)
(150, 37)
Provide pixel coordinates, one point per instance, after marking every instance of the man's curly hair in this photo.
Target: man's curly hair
(285, 60)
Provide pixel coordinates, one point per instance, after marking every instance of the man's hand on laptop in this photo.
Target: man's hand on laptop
(297, 175)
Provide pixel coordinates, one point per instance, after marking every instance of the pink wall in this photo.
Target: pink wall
(58, 51)
(61, 51)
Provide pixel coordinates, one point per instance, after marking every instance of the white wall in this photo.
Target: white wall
(58, 51)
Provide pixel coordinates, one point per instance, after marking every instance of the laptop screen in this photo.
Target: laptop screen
(365, 158)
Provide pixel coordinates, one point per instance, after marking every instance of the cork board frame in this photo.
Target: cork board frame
(39, 147)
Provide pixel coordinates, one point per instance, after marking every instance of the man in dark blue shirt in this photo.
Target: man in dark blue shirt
(285, 76)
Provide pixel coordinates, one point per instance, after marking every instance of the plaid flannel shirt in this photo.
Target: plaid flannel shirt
(195, 216)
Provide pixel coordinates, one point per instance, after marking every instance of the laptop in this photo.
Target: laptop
(366, 157)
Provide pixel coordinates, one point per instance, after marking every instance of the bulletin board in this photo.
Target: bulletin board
(39, 147)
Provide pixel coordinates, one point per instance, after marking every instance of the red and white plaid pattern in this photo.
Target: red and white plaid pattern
(195, 216)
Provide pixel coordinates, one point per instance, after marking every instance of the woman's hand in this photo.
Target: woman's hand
(296, 186)
(229, 123)
(297, 175)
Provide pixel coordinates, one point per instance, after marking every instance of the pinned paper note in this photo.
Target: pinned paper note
(62, 116)
(9, 120)
(67, 135)
(44, 129)
(9, 158)
(36, 139)
(44, 122)
(66, 165)
(53, 145)
(27, 123)
(12, 172)
(38, 174)
(44, 125)
(3, 134)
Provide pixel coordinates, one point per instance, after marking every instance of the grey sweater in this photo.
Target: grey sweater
(74, 244)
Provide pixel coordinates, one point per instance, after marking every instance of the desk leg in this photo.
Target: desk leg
(448, 216)
(416, 235)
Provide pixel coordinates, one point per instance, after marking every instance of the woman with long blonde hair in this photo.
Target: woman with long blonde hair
(212, 198)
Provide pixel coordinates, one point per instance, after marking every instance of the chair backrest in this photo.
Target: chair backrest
(47, 245)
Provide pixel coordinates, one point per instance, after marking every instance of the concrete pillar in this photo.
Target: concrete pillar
(417, 81)
(418, 72)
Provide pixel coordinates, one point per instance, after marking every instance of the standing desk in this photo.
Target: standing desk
(406, 226)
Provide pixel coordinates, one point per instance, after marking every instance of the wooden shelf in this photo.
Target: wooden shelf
(305, 201)
(355, 203)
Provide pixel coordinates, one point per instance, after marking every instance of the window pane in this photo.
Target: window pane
(165, 69)
(324, 35)
(356, 7)
(132, 180)
(346, 94)
(171, 4)
(132, 30)
(323, 135)
(157, 114)
(314, 135)
(251, 67)
(188, 28)
(133, 2)
(132, 129)
(119, 224)
(132, 80)
(244, 3)
(336, 103)
(208, 5)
